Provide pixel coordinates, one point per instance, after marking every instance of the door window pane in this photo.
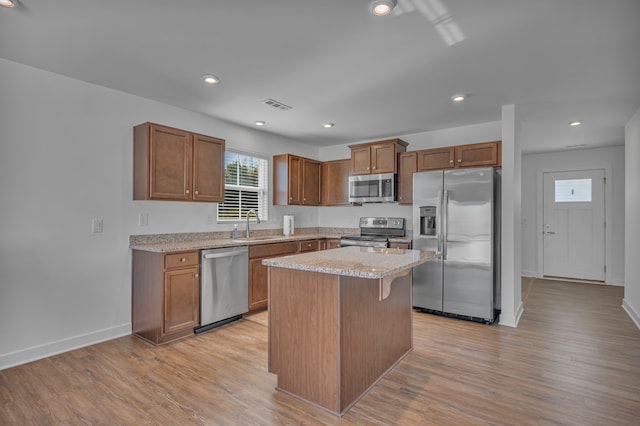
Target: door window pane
(573, 190)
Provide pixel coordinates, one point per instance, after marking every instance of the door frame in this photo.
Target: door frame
(608, 214)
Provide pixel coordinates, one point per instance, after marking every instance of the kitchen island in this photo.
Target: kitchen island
(339, 320)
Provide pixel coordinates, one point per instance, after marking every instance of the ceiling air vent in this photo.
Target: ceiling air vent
(276, 104)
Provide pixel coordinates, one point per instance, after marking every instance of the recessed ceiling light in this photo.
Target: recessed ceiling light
(210, 79)
(382, 7)
(7, 3)
(458, 98)
(328, 125)
(260, 123)
(575, 123)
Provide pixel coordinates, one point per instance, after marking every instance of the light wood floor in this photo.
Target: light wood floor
(574, 360)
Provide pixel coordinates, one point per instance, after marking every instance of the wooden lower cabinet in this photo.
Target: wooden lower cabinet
(165, 295)
(332, 243)
(258, 273)
(405, 246)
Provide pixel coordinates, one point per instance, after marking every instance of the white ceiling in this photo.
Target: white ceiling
(333, 61)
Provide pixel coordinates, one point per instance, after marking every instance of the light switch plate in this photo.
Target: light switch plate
(96, 226)
(143, 219)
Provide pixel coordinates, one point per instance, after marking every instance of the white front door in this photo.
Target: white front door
(574, 225)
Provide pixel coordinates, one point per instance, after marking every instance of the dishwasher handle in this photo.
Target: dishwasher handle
(223, 254)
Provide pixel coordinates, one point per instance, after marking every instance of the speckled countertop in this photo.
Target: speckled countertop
(363, 262)
(166, 243)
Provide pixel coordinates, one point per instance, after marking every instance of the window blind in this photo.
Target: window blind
(245, 183)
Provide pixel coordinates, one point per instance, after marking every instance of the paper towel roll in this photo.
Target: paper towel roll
(287, 225)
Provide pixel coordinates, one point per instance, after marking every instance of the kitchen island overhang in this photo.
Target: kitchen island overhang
(339, 320)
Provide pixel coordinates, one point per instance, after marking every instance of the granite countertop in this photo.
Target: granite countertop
(166, 243)
(353, 261)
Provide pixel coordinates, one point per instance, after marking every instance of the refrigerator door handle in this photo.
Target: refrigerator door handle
(445, 222)
(439, 226)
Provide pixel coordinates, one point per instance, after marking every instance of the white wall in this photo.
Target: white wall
(631, 302)
(65, 158)
(611, 159)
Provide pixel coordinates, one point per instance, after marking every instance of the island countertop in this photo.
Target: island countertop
(353, 261)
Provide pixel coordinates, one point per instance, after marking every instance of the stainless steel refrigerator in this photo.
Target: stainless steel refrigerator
(456, 213)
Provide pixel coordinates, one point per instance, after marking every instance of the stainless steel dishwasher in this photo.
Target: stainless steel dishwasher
(224, 286)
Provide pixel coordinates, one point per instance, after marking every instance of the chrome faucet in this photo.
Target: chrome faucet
(257, 220)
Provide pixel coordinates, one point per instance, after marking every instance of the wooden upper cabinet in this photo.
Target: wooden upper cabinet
(296, 180)
(172, 164)
(407, 166)
(361, 160)
(335, 182)
(311, 182)
(479, 154)
(208, 182)
(472, 155)
(436, 159)
(376, 157)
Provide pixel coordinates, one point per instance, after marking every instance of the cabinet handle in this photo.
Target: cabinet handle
(187, 191)
(459, 160)
(309, 245)
(374, 167)
(367, 168)
(183, 259)
(450, 161)
(290, 198)
(197, 275)
(304, 199)
(196, 192)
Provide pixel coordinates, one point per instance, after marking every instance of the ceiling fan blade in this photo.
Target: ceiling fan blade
(437, 14)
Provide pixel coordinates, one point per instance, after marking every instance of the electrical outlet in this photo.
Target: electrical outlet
(96, 226)
(143, 219)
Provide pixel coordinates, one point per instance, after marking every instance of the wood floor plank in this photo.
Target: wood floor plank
(573, 360)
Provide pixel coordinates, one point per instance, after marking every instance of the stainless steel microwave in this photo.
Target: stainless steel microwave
(376, 188)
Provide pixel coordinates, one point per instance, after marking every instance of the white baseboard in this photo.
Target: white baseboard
(512, 322)
(23, 356)
(532, 274)
(633, 314)
(616, 282)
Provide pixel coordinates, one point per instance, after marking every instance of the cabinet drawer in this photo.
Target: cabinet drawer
(274, 249)
(309, 245)
(181, 260)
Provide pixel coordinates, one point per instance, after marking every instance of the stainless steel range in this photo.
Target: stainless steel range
(375, 232)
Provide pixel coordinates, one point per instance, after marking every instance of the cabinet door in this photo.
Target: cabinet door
(169, 164)
(361, 160)
(181, 300)
(436, 159)
(332, 243)
(258, 285)
(294, 180)
(383, 158)
(208, 169)
(407, 163)
(405, 246)
(311, 182)
(335, 182)
(479, 154)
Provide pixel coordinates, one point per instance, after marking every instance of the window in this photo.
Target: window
(245, 187)
(573, 190)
